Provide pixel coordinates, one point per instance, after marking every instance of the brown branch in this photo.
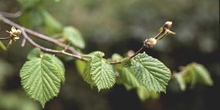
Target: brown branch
(47, 49)
(148, 43)
(36, 34)
(11, 15)
(24, 31)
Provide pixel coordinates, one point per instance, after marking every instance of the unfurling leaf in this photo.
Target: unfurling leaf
(193, 74)
(41, 77)
(150, 72)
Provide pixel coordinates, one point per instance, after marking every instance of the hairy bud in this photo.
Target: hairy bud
(149, 43)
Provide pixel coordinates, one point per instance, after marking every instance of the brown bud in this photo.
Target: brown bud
(168, 25)
(149, 43)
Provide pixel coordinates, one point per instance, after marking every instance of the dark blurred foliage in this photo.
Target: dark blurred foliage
(117, 26)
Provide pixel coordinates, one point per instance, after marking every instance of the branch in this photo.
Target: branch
(24, 32)
(47, 49)
(148, 43)
(11, 15)
(36, 34)
(151, 42)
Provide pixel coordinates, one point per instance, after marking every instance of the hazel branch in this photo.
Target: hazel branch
(36, 34)
(24, 32)
(151, 42)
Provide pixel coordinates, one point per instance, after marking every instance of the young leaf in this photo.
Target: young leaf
(34, 53)
(102, 73)
(128, 79)
(41, 78)
(52, 26)
(84, 70)
(144, 93)
(3, 46)
(150, 72)
(32, 18)
(74, 37)
(180, 79)
(203, 75)
(59, 65)
(195, 73)
(25, 4)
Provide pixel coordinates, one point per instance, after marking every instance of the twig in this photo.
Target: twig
(36, 34)
(47, 49)
(11, 15)
(5, 38)
(23, 42)
(148, 43)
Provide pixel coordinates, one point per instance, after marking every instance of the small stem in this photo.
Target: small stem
(36, 34)
(5, 38)
(137, 52)
(47, 49)
(119, 62)
(23, 42)
(11, 15)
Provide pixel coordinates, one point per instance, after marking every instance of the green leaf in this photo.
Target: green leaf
(41, 78)
(193, 74)
(150, 72)
(74, 37)
(3, 46)
(203, 75)
(128, 79)
(34, 53)
(59, 65)
(32, 18)
(144, 93)
(180, 79)
(52, 26)
(101, 72)
(28, 3)
(84, 70)
(197, 73)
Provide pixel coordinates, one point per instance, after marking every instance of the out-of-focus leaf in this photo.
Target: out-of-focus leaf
(180, 79)
(74, 37)
(25, 4)
(18, 100)
(34, 53)
(127, 78)
(5, 71)
(3, 46)
(32, 18)
(52, 26)
(145, 94)
(84, 70)
(193, 74)
(203, 75)
(150, 72)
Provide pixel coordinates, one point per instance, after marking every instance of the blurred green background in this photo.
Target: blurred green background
(117, 26)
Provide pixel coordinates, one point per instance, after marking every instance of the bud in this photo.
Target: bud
(168, 25)
(149, 43)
